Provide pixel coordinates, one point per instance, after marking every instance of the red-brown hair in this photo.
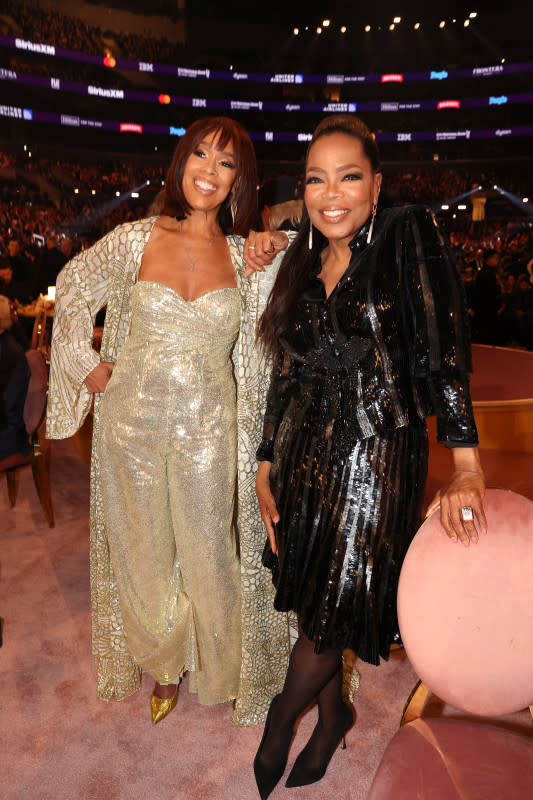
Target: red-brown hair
(244, 193)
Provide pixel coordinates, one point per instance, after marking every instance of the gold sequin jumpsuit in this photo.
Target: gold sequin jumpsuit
(167, 452)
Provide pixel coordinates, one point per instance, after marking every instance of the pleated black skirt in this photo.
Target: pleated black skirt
(346, 523)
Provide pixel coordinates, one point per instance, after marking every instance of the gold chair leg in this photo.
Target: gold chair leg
(415, 703)
(12, 486)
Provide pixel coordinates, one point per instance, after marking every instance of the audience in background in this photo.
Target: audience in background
(14, 379)
(39, 234)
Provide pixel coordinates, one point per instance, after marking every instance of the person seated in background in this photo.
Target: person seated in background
(20, 264)
(51, 262)
(66, 245)
(14, 379)
(524, 311)
(12, 287)
(488, 301)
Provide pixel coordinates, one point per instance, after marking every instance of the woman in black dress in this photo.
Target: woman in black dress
(368, 329)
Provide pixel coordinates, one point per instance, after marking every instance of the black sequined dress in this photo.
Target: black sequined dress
(358, 373)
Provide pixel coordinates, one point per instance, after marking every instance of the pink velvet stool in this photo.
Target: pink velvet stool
(466, 619)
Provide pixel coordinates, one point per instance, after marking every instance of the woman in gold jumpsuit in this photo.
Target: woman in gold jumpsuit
(165, 572)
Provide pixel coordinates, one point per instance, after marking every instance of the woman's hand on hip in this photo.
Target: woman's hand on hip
(261, 247)
(267, 504)
(98, 378)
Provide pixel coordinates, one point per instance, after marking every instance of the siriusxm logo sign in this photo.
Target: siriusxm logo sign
(438, 76)
(176, 131)
(498, 101)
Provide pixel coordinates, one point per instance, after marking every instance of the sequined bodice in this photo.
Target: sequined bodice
(176, 363)
(205, 328)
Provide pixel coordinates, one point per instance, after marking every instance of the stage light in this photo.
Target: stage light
(117, 194)
(319, 30)
(343, 29)
(473, 14)
(135, 194)
(367, 28)
(417, 26)
(76, 191)
(466, 23)
(296, 31)
(326, 23)
(445, 207)
(503, 60)
(525, 199)
(461, 207)
(391, 26)
(231, 66)
(93, 191)
(25, 147)
(442, 23)
(397, 20)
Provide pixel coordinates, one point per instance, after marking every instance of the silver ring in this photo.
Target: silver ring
(251, 247)
(467, 513)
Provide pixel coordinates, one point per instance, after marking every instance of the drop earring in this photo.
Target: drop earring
(233, 209)
(310, 235)
(371, 228)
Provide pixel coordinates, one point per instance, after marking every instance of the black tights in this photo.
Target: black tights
(310, 675)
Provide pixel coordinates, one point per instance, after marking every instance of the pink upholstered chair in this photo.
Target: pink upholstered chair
(34, 411)
(466, 618)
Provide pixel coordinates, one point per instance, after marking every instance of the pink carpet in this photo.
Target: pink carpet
(60, 743)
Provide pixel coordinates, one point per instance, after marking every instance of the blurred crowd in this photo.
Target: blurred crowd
(49, 210)
(72, 33)
(498, 282)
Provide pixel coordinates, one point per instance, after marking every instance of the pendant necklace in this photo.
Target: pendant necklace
(191, 262)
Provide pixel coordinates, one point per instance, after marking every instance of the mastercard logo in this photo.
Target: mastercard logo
(164, 99)
(109, 61)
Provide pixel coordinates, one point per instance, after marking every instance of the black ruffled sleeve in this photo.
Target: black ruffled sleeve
(282, 384)
(438, 327)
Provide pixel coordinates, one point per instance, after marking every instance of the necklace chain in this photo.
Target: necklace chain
(203, 252)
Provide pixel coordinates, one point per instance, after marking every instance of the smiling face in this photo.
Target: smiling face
(209, 174)
(340, 186)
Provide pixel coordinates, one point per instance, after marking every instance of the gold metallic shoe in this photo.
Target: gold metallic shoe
(161, 706)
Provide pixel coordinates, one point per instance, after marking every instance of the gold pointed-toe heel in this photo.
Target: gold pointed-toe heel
(161, 706)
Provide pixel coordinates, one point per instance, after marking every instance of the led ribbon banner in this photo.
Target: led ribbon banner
(261, 77)
(59, 84)
(73, 120)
